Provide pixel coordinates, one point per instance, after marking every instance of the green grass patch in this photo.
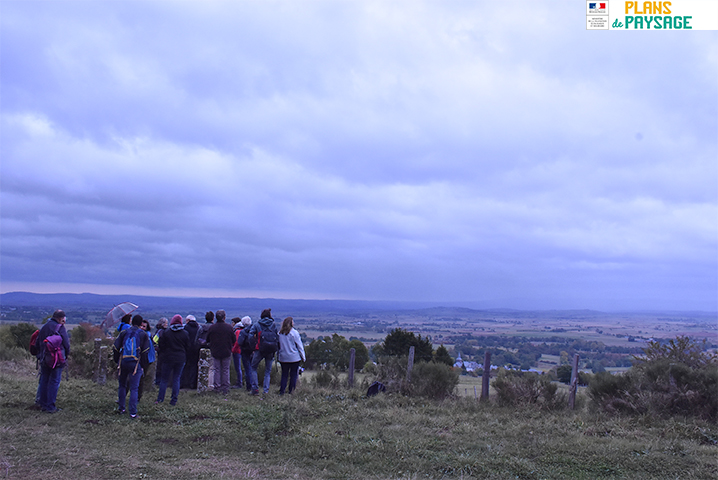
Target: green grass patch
(332, 434)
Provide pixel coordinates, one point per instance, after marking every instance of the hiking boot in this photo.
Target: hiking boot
(133, 415)
(255, 392)
(120, 412)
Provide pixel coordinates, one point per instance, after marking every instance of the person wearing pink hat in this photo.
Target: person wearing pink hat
(174, 345)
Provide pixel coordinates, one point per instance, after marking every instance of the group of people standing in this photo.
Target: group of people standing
(176, 345)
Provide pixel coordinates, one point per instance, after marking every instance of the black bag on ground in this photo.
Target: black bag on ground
(375, 388)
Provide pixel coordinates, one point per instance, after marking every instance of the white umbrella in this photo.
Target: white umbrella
(117, 312)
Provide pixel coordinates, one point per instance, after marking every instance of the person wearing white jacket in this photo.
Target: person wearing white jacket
(291, 352)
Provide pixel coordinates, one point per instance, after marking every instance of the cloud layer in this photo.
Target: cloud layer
(444, 151)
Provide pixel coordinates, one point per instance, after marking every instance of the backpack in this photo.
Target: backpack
(375, 388)
(247, 342)
(131, 345)
(34, 349)
(200, 339)
(268, 341)
(236, 347)
(54, 356)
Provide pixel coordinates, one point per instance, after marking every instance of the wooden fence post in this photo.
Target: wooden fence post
(352, 359)
(203, 370)
(410, 365)
(98, 359)
(486, 376)
(102, 377)
(574, 383)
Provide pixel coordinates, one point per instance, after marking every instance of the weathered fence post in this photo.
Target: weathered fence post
(203, 370)
(410, 365)
(102, 377)
(486, 376)
(574, 383)
(352, 359)
(96, 370)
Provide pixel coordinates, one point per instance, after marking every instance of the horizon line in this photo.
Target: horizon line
(434, 303)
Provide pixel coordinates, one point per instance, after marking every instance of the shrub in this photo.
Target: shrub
(677, 378)
(326, 379)
(14, 354)
(563, 373)
(433, 380)
(17, 335)
(85, 332)
(82, 360)
(442, 356)
(430, 380)
(515, 388)
(369, 367)
(391, 371)
(334, 352)
(398, 341)
(611, 392)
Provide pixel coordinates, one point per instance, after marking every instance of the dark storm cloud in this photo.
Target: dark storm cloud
(359, 150)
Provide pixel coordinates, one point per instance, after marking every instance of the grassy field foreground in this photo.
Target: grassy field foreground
(332, 434)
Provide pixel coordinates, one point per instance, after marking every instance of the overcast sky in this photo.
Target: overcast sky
(451, 151)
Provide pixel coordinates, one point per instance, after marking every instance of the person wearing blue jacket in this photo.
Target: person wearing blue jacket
(50, 376)
(124, 323)
(132, 363)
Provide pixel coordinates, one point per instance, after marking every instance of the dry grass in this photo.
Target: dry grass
(332, 434)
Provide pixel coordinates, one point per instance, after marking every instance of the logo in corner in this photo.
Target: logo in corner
(596, 8)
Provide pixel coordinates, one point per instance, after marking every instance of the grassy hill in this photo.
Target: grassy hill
(333, 434)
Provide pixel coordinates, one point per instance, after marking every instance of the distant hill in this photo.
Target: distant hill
(253, 306)
(148, 303)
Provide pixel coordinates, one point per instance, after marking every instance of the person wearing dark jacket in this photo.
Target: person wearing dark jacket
(202, 343)
(130, 352)
(220, 338)
(50, 375)
(160, 328)
(266, 323)
(173, 349)
(189, 373)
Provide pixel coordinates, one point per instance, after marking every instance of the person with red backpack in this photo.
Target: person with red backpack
(53, 346)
